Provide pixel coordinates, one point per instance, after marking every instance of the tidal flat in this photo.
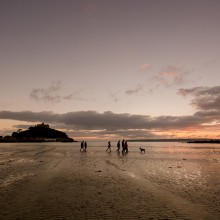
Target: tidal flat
(57, 181)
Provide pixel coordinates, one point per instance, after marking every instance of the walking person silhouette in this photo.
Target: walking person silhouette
(123, 146)
(126, 146)
(85, 146)
(109, 147)
(82, 146)
(118, 146)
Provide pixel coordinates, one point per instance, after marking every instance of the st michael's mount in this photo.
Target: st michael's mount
(38, 133)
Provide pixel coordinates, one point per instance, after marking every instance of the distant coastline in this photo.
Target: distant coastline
(214, 141)
(38, 133)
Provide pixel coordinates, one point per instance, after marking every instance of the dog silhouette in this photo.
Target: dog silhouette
(142, 150)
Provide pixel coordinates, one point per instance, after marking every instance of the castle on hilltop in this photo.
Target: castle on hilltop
(39, 133)
(42, 125)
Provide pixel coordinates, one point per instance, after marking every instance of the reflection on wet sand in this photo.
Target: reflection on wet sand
(57, 181)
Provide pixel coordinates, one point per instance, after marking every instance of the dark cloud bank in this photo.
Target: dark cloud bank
(206, 100)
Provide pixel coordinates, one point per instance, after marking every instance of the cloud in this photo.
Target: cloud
(107, 124)
(210, 62)
(170, 76)
(109, 134)
(49, 94)
(144, 67)
(27, 116)
(108, 120)
(115, 96)
(52, 94)
(110, 124)
(204, 98)
(134, 91)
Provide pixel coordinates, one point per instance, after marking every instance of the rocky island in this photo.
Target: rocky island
(38, 133)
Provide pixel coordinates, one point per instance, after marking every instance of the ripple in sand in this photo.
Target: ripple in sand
(15, 178)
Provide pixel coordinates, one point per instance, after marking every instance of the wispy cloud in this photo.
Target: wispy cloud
(115, 96)
(52, 94)
(144, 67)
(170, 76)
(136, 90)
(210, 62)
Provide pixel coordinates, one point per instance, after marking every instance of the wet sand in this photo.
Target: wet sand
(56, 181)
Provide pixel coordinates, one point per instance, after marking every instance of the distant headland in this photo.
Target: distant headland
(199, 141)
(214, 141)
(38, 133)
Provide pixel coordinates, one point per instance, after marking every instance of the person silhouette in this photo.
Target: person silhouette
(126, 146)
(85, 145)
(118, 146)
(123, 146)
(109, 147)
(82, 146)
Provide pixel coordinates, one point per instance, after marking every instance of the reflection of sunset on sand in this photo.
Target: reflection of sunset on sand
(57, 181)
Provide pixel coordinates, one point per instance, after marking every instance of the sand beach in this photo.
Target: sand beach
(57, 181)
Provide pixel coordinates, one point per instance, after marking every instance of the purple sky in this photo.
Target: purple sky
(111, 69)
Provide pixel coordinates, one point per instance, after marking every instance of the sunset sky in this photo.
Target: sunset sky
(111, 68)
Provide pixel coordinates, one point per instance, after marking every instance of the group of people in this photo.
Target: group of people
(83, 146)
(123, 144)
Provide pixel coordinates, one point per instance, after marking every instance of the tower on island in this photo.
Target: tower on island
(42, 125)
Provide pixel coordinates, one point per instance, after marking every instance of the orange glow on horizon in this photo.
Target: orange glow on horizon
(191, 133)
(205, 131)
